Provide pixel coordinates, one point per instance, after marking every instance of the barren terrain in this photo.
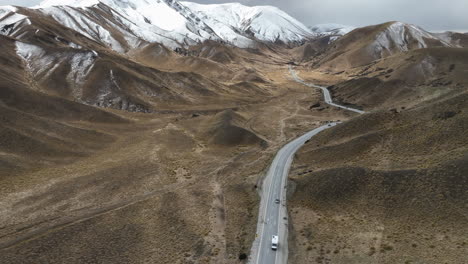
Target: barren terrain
(172, 187)
(385, 187)
(115, 148)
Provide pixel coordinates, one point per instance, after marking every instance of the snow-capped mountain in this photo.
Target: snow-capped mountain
(265, 23)
(364, 45)
(127, 24)
(331, 29)
(135, 21)
(398, 37)
(455, 38)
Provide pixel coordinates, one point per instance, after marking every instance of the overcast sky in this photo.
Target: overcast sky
(434, 15)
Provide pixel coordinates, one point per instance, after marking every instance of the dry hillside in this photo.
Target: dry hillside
(405, 79)
(385, 187)
(367, 44)
(117, 150)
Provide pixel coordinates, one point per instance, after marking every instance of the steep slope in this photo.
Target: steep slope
(227, 129)
(364, 45)
(312, 48)
(332, 29)
(65, 63)
(37, 129)
(385, 188)
(405, 79)
(80, 67)
(166, 22)
(335, 31)
(109, 80)
(324, 36)
(264, 23)
(120, 25)
(455, 38)
(127, 25)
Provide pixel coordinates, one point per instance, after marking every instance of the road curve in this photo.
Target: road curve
(273, 217)
(326, 94)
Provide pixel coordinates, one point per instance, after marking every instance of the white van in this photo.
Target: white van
(274, 242)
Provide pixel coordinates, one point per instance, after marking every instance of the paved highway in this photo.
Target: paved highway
(272, 218)
(326, 93)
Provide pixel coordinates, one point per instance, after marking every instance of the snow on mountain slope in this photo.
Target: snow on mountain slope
(265, 23)
(9, 19)
(331, 29)
(398, 37)
(367, 44)
(457, 39)
(136, 21)
(189, 23)
(124, 25)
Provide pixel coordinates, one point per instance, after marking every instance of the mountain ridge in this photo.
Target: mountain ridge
(125, 25)
(364, 45)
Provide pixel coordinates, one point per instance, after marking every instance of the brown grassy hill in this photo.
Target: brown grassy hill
(161, 58)
(311, 49)
(67, 64)
(37, 127)
(218, 52)
(227, 129)
(364, 45)
(385, 188)
(406, 79)
(212, 60)
(110, 80)
(160, 192)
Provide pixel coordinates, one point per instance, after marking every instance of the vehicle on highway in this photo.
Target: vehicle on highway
(277, 201)
(274, 242)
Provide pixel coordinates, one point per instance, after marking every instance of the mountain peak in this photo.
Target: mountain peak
(265, 23)
(331, 29)
(401, 35)
(127, 24)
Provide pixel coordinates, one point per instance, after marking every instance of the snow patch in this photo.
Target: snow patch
(74, 45)
(7, 9)
(134, 23)
(331, 29)
(81, 65)
(42, 65)
(113, 80)
(27, 51)
(9, 18)
(75, 20)
(265, 23)
(37, 61)
(399, 36)
(427, 67)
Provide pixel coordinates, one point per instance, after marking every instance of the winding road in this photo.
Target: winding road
(273, 217)
(326, 93)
